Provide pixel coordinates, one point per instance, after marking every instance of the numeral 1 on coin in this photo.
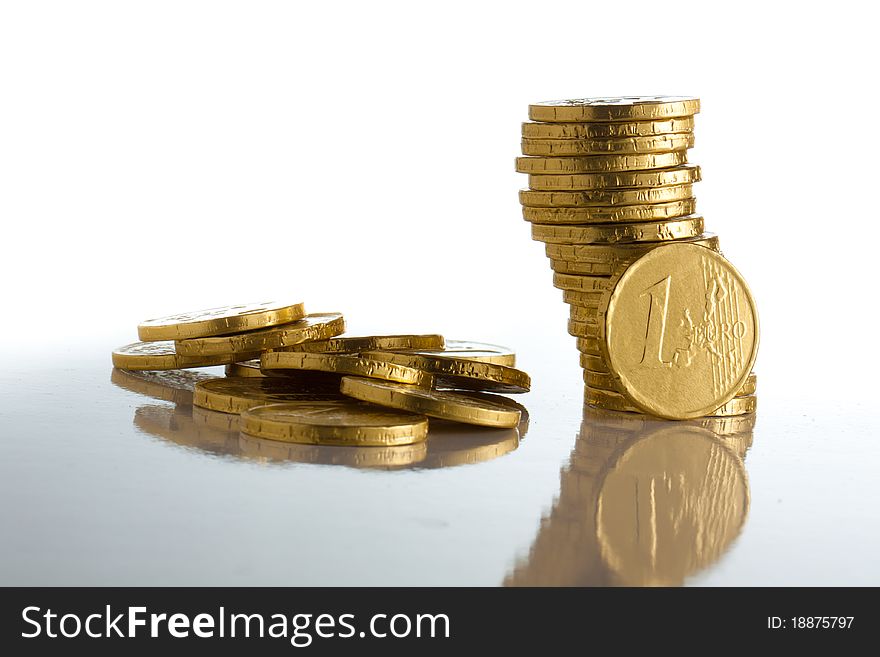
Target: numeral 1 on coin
(655, 327)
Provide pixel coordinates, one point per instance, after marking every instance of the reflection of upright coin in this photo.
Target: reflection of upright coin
(680, 331)
(220, 321)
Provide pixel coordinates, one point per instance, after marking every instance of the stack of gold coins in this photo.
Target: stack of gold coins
(609, 181)
(293, 377)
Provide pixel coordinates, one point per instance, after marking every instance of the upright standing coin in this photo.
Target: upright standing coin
(443, 404)
(618, 180)
(620, 108)
(460, 373)
(345, 422)
(480, 352)
(144, 356)
(356, 365)
(220, 321)
(235, 395)
(680, 331)
(607, 130)
(649, 231)
(578, 147)
(317, 326)
(599, 163)
(356, 344)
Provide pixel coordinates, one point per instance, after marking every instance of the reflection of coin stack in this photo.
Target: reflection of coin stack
(608, 182)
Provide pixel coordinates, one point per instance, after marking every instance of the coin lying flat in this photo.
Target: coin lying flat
(220, 321)
(621, 108)
(356, 344)
(599, 163)
(593, 363)
(590, 345)
(603, 197)
(577, 147)
(583, 314)
(578, 329)
(342, 422)
(611, 213)
(459, 373)
(583, 298)
(247, 368)
(600, 380)
(649, 231)
(737, 406)
(680, 331)
(616, 255)
(681, 175)
(443, 404)
(607, 130)
(160, 355)
(477, 351)
(356, 365)
(235, 395)
(583, 283)
(316, 326)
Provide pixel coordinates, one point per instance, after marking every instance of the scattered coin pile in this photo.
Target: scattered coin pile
(609, 182)
(294, 377)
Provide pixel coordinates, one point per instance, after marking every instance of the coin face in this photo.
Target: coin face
(680, 331)
(340, 422)
(443, 404)
(220, 321)
(236, 395)
(614, 108)
(316, 326)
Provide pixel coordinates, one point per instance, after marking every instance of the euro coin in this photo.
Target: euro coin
(593, 363)
(459, 373)
(220, 321)
(356, 344)
(480, 352)
(583, 283)
(583, 299)
(605, 381)
(611, 213)
(600, 380)
(608, 399)
(614, 256)
(590, 345)
(749, 387)
(680, 331)
(248, 368)
(317, 326)
(605, 197)
(394, 457)
(737, 406)
(578, 328)
(160, 355)
(635, 145)
(608, 130)
(619, 180)
(599, 163)
(620, 108)
(235, 395)
(343, 422)
(648, 231)
(357, 365)
(584, 314)
(443, 404)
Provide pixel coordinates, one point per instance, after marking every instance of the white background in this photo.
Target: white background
(157, 157)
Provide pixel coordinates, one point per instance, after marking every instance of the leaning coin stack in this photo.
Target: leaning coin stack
(293, 377)
(609, 182)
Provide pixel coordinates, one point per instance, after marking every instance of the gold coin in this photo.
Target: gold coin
(606, 130)
(605, 381)
(248, 369)
(614, 256)
(611, 213)
(235, 395)
(356, 344)
(577, 147)
(736, 426)
(316, 326)
(443, 404)
(608, 400)
(583, 283)
(342, 422)
(591, 346)
(395, 457)
(600, 380)
(681, 175)
(604, 197)
(478, 351)
(648, 231)
(459, 373)
(680, 331)
(169, 385)
(220, 321)
(579, 329)
(357, 365)
(737, 406)
(622, 108)
(599, 163)
(161, 356)
(750, 387)
(583, 299)
(453, 444)
(593, 363)
(584, 314)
